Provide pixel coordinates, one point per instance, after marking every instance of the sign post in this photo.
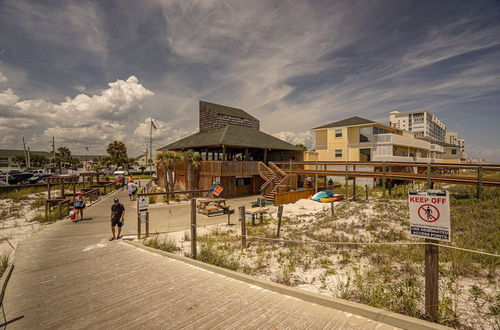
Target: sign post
(430, 219)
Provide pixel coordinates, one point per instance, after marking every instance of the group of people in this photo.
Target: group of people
(117, 217)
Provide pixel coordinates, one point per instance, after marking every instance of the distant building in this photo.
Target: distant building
(419, 122)
(7, 157)
(451, 153)
(453, 139)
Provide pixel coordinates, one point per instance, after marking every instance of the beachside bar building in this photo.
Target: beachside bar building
(231, 146)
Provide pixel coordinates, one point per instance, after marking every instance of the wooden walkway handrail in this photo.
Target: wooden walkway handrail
(404, 176)
(485, 166)
(174, 192)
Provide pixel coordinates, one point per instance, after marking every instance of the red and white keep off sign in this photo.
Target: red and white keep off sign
(430, 214)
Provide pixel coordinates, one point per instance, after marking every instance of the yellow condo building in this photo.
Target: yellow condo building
(359, 139)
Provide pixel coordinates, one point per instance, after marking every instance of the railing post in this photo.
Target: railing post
(354, 183)
(280, 215)
(383, 177)
(429, 176)
(138, 221)
(147, 224)
(346, 179)
(431, 281)
(480, 181)
(316, 179)
(193, 228)
(241, 210)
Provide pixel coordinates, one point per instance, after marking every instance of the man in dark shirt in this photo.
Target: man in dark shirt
(117, 217)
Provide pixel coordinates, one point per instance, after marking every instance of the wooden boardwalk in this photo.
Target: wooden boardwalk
(69, 276)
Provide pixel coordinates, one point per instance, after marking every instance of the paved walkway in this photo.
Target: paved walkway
(69, 276)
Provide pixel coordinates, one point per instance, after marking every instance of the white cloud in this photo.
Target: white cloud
(80, 88)
(82, 120)
(305, 138)
(162, 135)
(3, 78)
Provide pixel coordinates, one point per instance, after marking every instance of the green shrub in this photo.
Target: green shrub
(167, 244)
(211, 254)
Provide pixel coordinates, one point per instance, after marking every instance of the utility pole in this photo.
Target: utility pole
(28, 160)
(151, 147)
(25, 152)
(53, 148)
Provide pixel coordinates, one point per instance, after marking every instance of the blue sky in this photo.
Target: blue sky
(88, 72)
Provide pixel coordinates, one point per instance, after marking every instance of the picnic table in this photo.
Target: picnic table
(207, 205)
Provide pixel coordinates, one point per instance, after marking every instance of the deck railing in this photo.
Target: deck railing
(222, 168)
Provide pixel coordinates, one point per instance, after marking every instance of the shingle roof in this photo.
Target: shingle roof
(232, 136)
(225, 110)
(347, 122)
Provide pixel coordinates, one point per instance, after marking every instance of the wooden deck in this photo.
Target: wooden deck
(69, 276)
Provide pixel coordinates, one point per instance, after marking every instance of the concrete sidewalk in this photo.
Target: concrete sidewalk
(69, 276)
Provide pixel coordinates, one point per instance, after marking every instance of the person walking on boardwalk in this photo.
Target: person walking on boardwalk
(79, 205)
(131, 188)
(117, 218)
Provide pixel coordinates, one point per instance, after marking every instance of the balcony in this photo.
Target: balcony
(401, 140)
(388, 158)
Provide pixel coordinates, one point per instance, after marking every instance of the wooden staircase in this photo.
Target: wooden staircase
(274, 180)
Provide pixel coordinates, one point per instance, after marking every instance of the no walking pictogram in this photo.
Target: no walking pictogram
(428, 213)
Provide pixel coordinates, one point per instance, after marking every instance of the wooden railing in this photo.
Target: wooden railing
(221, 168)
(464, 174)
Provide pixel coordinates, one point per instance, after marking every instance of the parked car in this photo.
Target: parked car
(19, 177)
(120, 173)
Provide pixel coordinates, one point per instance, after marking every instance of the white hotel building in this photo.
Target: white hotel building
(419, 122)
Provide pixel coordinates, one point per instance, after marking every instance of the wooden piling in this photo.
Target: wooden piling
(431, 281)
(138, 221)
(366, 192)
(193, 228)
(383, 178)
(428, 176)
(280, 215)
(241, 210)
(354, 183)
(479, 181)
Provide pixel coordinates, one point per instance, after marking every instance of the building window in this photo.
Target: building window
(338, 153)
(453, 151)
(243, 182)
(338, 133)
(365, 155)
(377, 130)
(366, 134)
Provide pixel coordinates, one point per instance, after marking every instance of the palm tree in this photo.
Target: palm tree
(106, 161)
(193, 161)
(168, 159)
(118, 153)
(63, 156)
(20, 160)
